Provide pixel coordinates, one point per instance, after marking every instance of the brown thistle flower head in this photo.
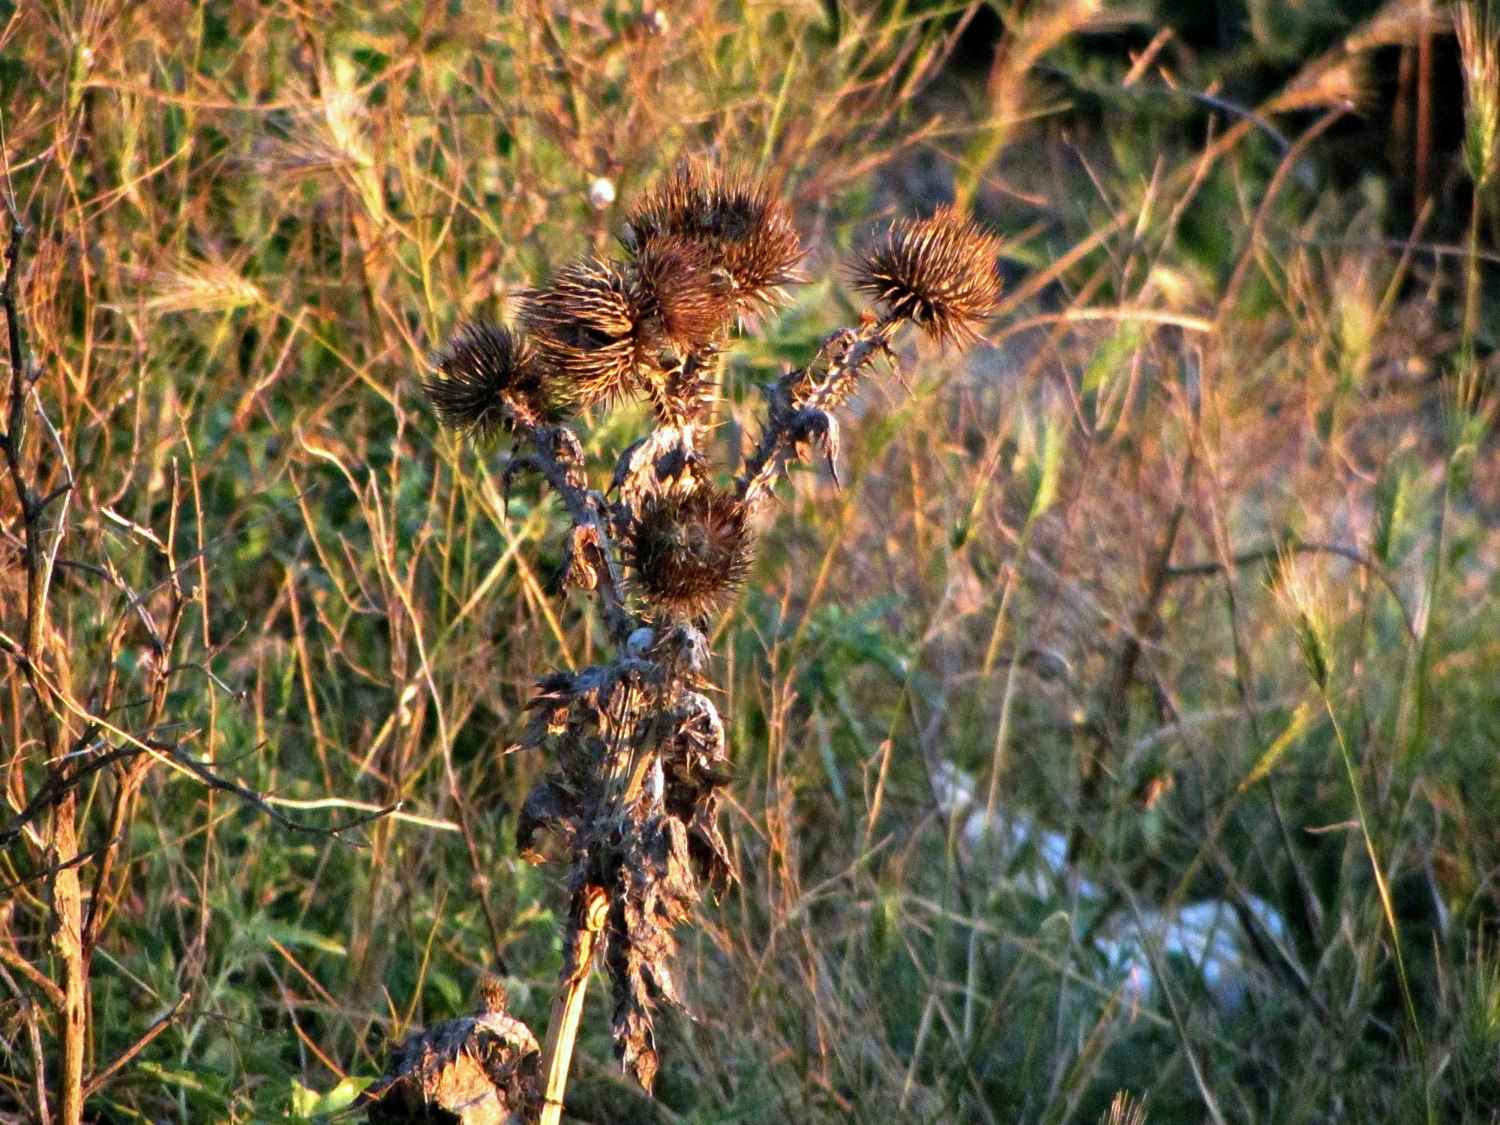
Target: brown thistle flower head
(689, 551)
(584, 328)
(487, 379)
(745, 226)
(684, 299)
(938, 273)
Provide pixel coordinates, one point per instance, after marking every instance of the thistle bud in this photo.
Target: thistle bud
(487, 380)
(938, 273)
(689, 552)
(684, 298)
(744, 227)
(584, 328)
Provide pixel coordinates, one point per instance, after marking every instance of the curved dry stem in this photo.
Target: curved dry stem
(591, 908)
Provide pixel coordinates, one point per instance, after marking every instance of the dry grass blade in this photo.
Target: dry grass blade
(1125, 1110)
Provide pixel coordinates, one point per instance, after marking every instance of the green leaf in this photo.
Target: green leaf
(309, 1103)
(1301, 720)
(294, 937)
(304, 1100)
(1050, 468)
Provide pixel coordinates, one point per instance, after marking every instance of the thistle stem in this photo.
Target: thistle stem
(590, 911)
(847, 352)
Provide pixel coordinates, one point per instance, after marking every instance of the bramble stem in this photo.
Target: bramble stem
(567, 1006)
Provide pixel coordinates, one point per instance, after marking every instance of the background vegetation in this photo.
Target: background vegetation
(1071, 732)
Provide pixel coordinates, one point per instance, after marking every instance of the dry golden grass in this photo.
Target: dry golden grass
(1009, 709)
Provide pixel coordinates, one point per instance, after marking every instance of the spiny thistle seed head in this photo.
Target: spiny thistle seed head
(584, 328)
(689, 551)
(686, 300)
(745, 226)
(938, 273)
(487, 379)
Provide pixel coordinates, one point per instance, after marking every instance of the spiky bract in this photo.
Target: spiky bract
(745, 226)
(487, 379)
(584, 328)
(684, 298)
(939, 273)
(688, 552)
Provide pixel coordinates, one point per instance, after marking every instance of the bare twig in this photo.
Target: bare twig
(96, 1082)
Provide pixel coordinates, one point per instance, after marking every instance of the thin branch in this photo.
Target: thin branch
(93, 1085)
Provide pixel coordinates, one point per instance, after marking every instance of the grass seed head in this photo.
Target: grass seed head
(938, 273)
(1310, 612)
(745, 227)
(690, 551)
(584, 328)
(487, 379)
(1478, 27)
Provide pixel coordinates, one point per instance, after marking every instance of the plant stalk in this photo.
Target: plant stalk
(591, 910)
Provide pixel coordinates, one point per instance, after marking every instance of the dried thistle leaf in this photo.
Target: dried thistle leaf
(487, 380)
(475, 1070)
(666, 460)
(585, 552)
(696, 768)
(655, 893)
(939, 273)
(551, 805)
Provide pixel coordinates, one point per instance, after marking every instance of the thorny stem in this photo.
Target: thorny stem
(845, 353)
(796, 407)
(552, 455)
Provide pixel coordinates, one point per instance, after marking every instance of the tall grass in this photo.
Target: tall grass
(1013, 709)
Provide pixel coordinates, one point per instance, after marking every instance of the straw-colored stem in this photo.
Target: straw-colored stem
(567, 1005)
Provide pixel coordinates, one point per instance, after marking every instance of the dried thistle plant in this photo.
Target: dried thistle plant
(638, 748)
